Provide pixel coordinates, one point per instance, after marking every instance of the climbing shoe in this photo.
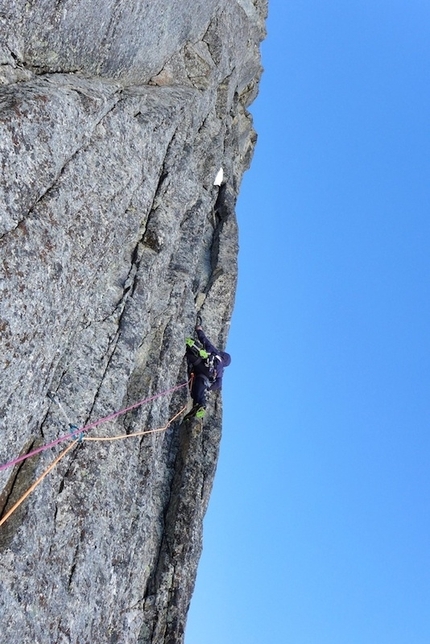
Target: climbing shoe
(200, 413)
(197, 411)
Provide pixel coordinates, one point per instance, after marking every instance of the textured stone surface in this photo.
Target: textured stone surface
(114, 120)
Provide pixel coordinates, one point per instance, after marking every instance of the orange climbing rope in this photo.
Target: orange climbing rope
(69, 447)
(146, 431)
(36, 483)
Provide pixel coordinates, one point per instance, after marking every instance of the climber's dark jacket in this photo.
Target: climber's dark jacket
(205, 380)
(219, 365)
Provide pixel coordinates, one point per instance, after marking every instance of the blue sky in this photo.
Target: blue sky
(318, 530)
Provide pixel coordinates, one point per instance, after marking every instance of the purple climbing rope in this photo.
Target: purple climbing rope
(86, 428)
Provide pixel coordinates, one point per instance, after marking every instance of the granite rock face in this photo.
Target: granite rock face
(115, 118)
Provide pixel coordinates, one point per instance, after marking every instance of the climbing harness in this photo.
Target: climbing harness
(202, 356)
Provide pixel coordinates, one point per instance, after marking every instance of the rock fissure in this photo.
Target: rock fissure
(54, 176)
(8, 491)
(113, 238)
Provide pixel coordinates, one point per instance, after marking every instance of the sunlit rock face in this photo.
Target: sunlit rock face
(115, 118)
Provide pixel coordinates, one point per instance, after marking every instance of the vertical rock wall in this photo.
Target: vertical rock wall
(114, 120)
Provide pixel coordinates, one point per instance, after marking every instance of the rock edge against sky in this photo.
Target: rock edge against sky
(114, 121)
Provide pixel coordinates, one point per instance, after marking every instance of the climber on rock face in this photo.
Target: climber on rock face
(206, 365)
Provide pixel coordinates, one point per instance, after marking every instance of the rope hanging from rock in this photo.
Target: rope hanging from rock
(76, 442)
(36, 483)
(86, 428)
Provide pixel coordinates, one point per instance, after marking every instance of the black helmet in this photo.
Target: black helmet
(225, 358)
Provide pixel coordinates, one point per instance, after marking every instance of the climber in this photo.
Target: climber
(206, 364)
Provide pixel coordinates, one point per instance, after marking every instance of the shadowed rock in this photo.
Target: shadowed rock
(115, 118)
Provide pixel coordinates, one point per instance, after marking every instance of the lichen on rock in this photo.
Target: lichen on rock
(114, 122)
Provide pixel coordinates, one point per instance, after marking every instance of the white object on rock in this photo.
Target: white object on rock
(219, 177)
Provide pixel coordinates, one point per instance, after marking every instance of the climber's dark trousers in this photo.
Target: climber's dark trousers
(199, 388)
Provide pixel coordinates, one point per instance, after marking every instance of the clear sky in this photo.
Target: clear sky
(318, 530)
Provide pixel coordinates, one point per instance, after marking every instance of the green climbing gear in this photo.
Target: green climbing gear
(200, 412)
(197, 350)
